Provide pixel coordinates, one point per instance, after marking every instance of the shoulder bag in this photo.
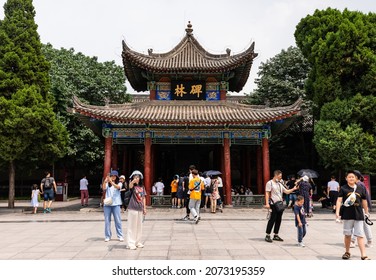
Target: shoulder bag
(107, 200)
(127, 197)
(279, 205)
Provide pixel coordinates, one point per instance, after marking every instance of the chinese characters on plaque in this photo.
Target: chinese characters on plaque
(188, 90)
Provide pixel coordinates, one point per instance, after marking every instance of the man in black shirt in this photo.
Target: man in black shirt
(350, 204)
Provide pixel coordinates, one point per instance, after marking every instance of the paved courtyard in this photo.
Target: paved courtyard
(74, 233)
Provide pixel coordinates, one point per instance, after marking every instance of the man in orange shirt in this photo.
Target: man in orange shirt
(196, 185)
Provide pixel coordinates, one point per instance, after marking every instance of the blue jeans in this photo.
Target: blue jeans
(48, 194)
(115, 211)
(301, 232)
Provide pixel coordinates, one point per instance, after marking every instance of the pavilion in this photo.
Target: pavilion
(188, 117)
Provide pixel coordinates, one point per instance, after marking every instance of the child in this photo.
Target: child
(34, 198)
(300, 221)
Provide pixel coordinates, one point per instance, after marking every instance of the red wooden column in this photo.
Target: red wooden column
(147, 168)
(114, 158)
(153, 90)
(227, 163)
(265, 160)
(107, 156)
(259, 170)
(223, 91)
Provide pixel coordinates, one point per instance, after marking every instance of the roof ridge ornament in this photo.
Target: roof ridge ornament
(189, 29)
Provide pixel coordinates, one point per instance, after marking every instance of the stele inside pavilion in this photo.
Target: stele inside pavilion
(187, 118)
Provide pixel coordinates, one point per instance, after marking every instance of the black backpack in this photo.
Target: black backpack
(48, 183)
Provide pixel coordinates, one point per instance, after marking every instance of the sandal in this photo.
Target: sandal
(346, 256)
(365, 258)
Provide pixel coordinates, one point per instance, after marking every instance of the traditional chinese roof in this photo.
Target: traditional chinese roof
(188, 57)
(186, 112)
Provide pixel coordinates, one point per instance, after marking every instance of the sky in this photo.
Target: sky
(97, 27)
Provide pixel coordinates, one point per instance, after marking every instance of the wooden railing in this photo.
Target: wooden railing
(248, 200)
(161, 200)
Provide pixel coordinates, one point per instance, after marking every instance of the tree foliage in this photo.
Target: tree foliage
(345, 135)
(345, 148)
(281, 79)
(95, 82)
(29, 129)
(341, 49)
(280, 82)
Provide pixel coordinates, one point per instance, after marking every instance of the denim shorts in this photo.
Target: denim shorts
(349, 225)
(48, 194)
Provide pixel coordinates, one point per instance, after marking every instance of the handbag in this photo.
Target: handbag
(279, 206)
(127, 197)
(351, 199)
(107, 201)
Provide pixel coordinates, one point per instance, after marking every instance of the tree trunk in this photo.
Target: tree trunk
(12, 175)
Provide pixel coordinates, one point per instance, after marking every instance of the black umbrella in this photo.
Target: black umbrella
(308, 172)
(212, 173)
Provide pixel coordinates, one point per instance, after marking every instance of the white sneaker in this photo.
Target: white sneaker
(121, 239)
(196, 219)
(140, 245)
(369, 244)
(352, 244)
(301, 244)
(132, 247)
(106, 239)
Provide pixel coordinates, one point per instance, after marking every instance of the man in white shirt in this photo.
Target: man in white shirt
(84, 191)
(333, 189)
(159, 187)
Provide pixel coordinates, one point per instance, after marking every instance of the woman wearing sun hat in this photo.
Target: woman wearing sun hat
(112, 189)
(136, 211)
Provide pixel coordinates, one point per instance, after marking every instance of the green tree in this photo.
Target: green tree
(345, 135)
(92, 81)
(280, 82)
(341, 49)
(281, 79)
(29, 129)
(345, 148)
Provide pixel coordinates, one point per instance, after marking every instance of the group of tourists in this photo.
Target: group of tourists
(211, 193)
(351, 207)
(350, 203)
(195, 191)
